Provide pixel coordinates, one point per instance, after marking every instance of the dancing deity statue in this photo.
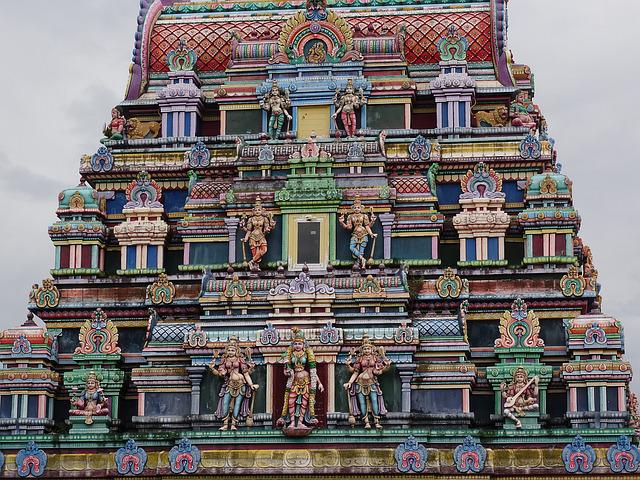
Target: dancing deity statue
(523, 112)
(237, 391)
(363, 388)
(346, 105)
(91, 402)
(360, 225)
(276, 103)
(257, 225)
(520, 396)
(298, 412)
(114, 130)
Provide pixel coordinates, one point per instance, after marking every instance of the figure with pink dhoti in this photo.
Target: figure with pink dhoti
(346, 105)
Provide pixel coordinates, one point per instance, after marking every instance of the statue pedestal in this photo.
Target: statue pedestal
(99, 424)
(530, 421)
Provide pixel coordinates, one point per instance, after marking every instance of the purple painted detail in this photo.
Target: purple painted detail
(329, 334)
(270, 335)
(411, 457)
(623, 457)
(130, 459)
(184, 457)
(143, 193)
(102, 160)
(199, 156)
(470, 457)
(149, 12)
(595, 334)
(31, 461)
(499, 34)
(578, 457)
(21, 346)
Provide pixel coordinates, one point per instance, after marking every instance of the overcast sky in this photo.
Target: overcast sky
(68, 65)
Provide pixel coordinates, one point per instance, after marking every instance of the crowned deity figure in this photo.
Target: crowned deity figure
(346, 105)
(523, 111)
(257, 225)
(237, 391)
(114, 130)
(276, 102)
(520, 395)
(363, 389)
(298, 412)
(360, 225)
(91, 402)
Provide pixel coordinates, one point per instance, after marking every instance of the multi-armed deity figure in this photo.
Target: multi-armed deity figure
(236, 394)
(257, 225)
(523, 112)
(114, 130)
(91, 402)
(298, 412)
(363, 388)
(276, 102)
(520, 396)
(346, 105)
(360, 225)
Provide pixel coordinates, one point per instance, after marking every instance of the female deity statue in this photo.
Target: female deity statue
(257, 226)
(520, 396)
(298, 412)
(114, 130)
(363, 389)
(91, 402)
(360, 225)
(523, 112)
(346, 105)
(237, 391)
(276, 102)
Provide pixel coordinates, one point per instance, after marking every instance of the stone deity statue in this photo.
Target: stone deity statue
(237, 391)
(360, 225)
(363, 388)
(298, 412)
(257, 225)
(91, 402)
(346, 105)
(115, 129)
(276, 103)
(520, 396)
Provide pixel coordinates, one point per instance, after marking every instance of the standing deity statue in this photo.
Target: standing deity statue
(257, 225)
(363, 389)
(114, 130)
(520, 396)
(91, 402)
(346, 105)
(360, 225)
(523, 112)
(276, 102)
(237, 391)
(298, 412)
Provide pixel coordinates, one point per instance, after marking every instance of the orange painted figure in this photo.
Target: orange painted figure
(257, 225)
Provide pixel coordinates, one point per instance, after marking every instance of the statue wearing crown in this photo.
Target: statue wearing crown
(257, 225)
(91, 402)
(298, 412)
(363, 389)
(346, 104)
(276, 102)
(237, 391)
(360, 225)
(520, 395)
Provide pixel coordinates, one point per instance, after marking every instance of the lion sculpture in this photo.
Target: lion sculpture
(137, 129)
(494, 118)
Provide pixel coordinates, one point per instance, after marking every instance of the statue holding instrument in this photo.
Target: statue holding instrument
(237, 392)
(520, 396)
(360, 225)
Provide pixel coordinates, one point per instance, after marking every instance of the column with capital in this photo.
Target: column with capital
(195, 376)
(386, 220)
(406, 371)
(232, 228)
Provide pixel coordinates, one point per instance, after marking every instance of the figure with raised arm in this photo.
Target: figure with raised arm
(346, 105)
(276, 103)
(360, 225)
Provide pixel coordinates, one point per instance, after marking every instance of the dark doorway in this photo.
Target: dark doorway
(309, 242)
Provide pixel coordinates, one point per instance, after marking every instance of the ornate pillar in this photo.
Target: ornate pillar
(386, 220)
(232, 227)
(195, 376)
(406, 370)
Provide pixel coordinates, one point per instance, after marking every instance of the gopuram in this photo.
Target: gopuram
(325, 240)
